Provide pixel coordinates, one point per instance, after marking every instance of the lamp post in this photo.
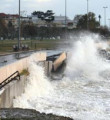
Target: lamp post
(105, 15)
(87, 14)
(65, 13)
(99, 20)
(109, 24)
(66, 19)
(19, 26)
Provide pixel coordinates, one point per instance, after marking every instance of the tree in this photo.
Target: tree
(47, 16)
(77, 18)
(92, 22)
(29, 30)
(3, 28)
(39, 14)
(10, 30)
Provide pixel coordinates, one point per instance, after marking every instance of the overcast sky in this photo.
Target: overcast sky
(58, 6)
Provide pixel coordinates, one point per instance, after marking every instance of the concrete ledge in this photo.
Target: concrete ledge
(59, 61)
(47, 65)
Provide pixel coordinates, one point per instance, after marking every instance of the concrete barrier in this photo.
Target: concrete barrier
(11, 91)
(59, 61)
(16, 88)
(7, 70)
(48, 67)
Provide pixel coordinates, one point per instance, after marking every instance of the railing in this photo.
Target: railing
(14, 76)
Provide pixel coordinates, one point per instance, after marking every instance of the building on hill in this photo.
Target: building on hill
(13, 18)
(59, 21)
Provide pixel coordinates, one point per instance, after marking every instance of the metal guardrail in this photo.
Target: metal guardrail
(10, 79)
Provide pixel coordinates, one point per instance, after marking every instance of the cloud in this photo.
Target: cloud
(43, 0)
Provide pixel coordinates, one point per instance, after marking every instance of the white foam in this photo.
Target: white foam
(1, 91)
(37, 86)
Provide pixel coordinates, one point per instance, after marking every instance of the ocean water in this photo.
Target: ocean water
(84, 91)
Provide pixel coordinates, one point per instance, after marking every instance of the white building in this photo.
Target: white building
(60, 21)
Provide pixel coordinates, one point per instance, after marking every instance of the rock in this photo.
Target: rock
(27, 114)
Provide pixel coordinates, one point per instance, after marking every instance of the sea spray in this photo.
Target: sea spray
(84, 59)
(38, 85)
(83, 93)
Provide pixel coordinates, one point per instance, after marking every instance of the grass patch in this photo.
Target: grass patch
(25, 72)
(7, 45)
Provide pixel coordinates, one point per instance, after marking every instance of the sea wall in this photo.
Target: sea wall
(16, 88)
(7, 70)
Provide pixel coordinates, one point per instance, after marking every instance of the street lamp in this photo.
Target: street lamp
(109, 23)
(105, 15)
(65, 13)
(87, 14)
(19, 26)
(66, 19)
(99, 19)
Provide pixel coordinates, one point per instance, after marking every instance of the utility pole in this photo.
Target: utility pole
(109, 24)
(65, 13)
(66, 19)
(105, 15)
(19, 26)
(87, 14)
